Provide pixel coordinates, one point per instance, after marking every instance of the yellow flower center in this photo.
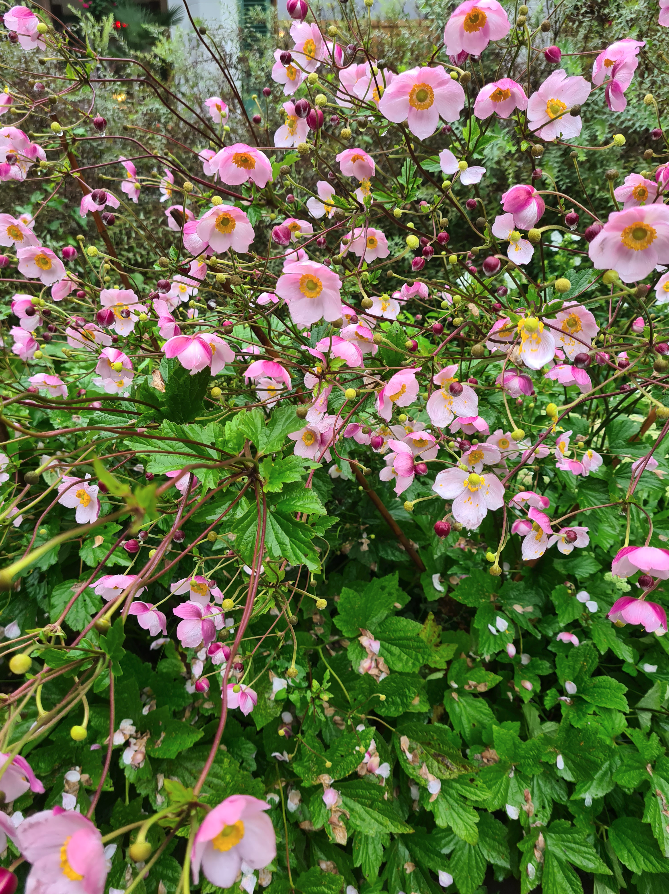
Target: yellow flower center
(384, 304)
(555, 107)
(244, 160)
(309, 49)
(291, 124)
(377, 93)
(199, 588)
(65, 867)
(638, 236)
(183, 288)
(310, 285)
(531, 324)
(475, 457)
(475, 20)
(420, 443)
(640, 193)
(665, 287)
(572, 323)
(503, 444)
(365, 187)
(500, 95)
(14, 233)
(43, 262)
(83, 497)
(229, 837)
(421, 96)
(225, 223)
(291, 72)
(308, 438)
(294, 228)
(394, 397)
(609, 63)
(372, 242)
(473, 481)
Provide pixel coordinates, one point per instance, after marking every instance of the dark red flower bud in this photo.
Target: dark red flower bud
(321, 241)
(13, 37)
(4, 261)
(32, 389)
(570, 536)
(623, 363)
(131, 546)
(471, 204)
(455, 389)
(502, 291)
(179, 537)
(417, 264)
(297, 9)
(327, 262)
(334, 119)
(376, 442)
(202, 685)
(290, 198)
(30, 311)
(645, 581)
(656, 133)
(497, 306)
(143, 535)
(149, 476)
(553, 55)
(99, 196)
(471, 268)
(315, 119)
(662, 348)
(99, 123)
(437, 328)
(281, 235)
(472, 380)
(163, 285)
(412, 345)
(537, 174)
(69, 253)
(257, 119)
(101, 485)
(302, 108)
(286, 58)
(593, 230)
(582, 360)
(266, 91)
(442, 238)
(81, 392)
(464, 445)
(420, 468)
(442, 528)
(423, 241)
(108, 218)
(428, 251)
(491, 265)
(8, 881)
(105, 317)
(571, 219)
(80, 293)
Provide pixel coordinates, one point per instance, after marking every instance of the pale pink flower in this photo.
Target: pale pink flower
(472, 494)
(628, 610)
(645, 464)
(293, 131)
(401, 462)
(445, 404)
(501, 98)
(636, 190)
(62, 289)
(535, 540)
(323, 204)
(313, 440)
(207, 157)
(577, 327)
(526, 205)
(65, 851)
(362, 336)
(515, 383)
(40, 263)
(199, 588)
(504, 443)
(130, 185)
(53, 385)
(312, 292)
(569, 538)
(235, 832)
(330, 797)
(537, 345)
(633, 242)
(182, 481)
(638, 325)
(664, 13)
(470, 425)
(334, 346)
(14, 232)
(109, 586)
(245, 699)
(565, 637)
(385, 307)
(18, 778)
(198, 626)
(370, 87)
(16, 144)
(401, 390)
(109, 356)
(224, 227)
(24, 343)
(6, 101)
(199, 351)
(367, 243)
(173, 222)
(268, 368)
(570, 375)
(519, 250)
(651, 560)
(501, 336)
(240, 163)
(481, 455)
(473, 24)
(267, 298)
(616, 66)
(4, 462)
(149, 618)
(125, 307)
(309, 50)
(87, 204)
(217, 109)
(86, 337)
(79, 494)
(562, 444)
(21, 307)
(166, 187)
(548, 108)
(420, 96)
(531, 498)
(298, 228)
(356, 163)
(24, 22)
(289, 75)
(418, 288)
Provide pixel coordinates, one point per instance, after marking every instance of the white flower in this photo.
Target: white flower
(583, 596)
(445, 879)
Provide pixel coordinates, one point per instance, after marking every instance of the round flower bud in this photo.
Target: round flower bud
(662, 348)
(297, 9)
(408, 505)
(188, 186)
(321, 604)
(618, 139)
(417, 264)
(367, 303)
(131, 546)
(227, 605)
(8, 882)
(645, 581)
(412, 241)
(20, 664)
(55, 127)
(442, 528)
(411, 345)
(102, 625)
(292, 673)
(649, 99)
(345, 133)
(553, 55)
(623, 363)
(315, 119)
(266, 91)
(350, 394)
(141, 850)
(281, 235)
(99, 123)
(491, 265)
(301, 412)
(518, 434)
(92, 251)
(477, 351)
(437, 328)
(593, 230)
(78, 733)
(581, 361)
(537, 151)
(545, 26)
(216, 393)
(202, 685)
(455, 388)
(302, 108)
(611, 174)
(453, 259)
(609, 277)
(562, 285)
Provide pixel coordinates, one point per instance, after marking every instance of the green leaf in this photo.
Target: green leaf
(96, 547)
(225, 777)
(635, 846)
(559, 877)
(368, 853)
(401, 644)
(112, 645)
(367, 609)
(567, 843)
(450, 810)
(605, 636)
(285, 470)
(315, 881)
(86, 606)
(368, 809)
(184, 393)
(468, 867)
(285, 538)
(470, 716)
(274, 431)
(605, 692)
(173, 737)
(567, 605)
(298, 499)
(474, 590)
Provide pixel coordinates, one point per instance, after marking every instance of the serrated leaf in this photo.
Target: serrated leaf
(184, 393)
(567, 843)
(401, 644)
(635, 846)
(86, 606)
(605, 692)
(369, 811)
(315, 881)
(367, 609)
(368, 853)
(559, 877)
(299, 499)
(284, 470)
(468, 867)
(282, 422)
(451, 811)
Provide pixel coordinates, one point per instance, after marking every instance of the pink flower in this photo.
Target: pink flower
(645, 464)
(313, 440)
(6, 101)
(309, 50)
(217, 109)
(322, 205)
(616, 65)
(418, 288)
(24, 22)
(194, 352)
(651, 560)
(85, 337)
(451, 399)
(109, 356)
(22, 305)
(450, 165)
(66, 853)
(173, 219)
(535, 540)
(361, 336)
(126, 310)
(526, 205)
(293, 131)
(245, 699)
(519, 250)
(14, 232)
(664, 13)
(636, 190)
(199, 588)
(385, 307)
(356, 163)
(570, 375)
(504, 443)
(548, 108)
(112, 585)
(268, 368)
(472, 494)
(289, 75)
(577, 327)
(166, 187)
(149, 618)
(18, 778)
(628, 610)
(402, 390)
(312, 292)
(330, 797)
(224, 227)
(77, 493)
(531, 498)
(24, 344)
(240, 163)
(367, 243)
(565, 637)
(333, 346)
(63, 288)
(298, 228)
(662, 289)
(420, 96)
(515, 383)
(479, 455)
(633, 242)
(470, 425)
(182, 483)
(569, 538)
(15, 144)
(40, 263)
(401, 461)
(473, 25)
(537, 345)
(501, 98)
(197, 627)
(53, 385)
(237, 831)
(87, 204)
(130, 185)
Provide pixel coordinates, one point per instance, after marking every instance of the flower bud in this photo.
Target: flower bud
(411, 345)
(437, 328)
(13, 37)
(202, 685)
(286, 58)
(163, 286)
(592, 231)
(302, 108)
(417, 264)
(266, 91)
(645, 581)
(442, 528)
(662, 348)
(553, 55)
(471, 204)
(105, 317)
(108, 218)
(297, 9)
(562, 285)
(257, 119)
(99, 123)
(99, 196)
(315, 119)
(442, 238)
(623, 363)
(69, 253)
(491, 265)
(570, 536)
(377, 442)
(571, 219)
(420, 468)
(455, 388)
(511, 650)
(8, 882)
(281, 235)
(581, 361)
(131, 546)
(611, 174)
